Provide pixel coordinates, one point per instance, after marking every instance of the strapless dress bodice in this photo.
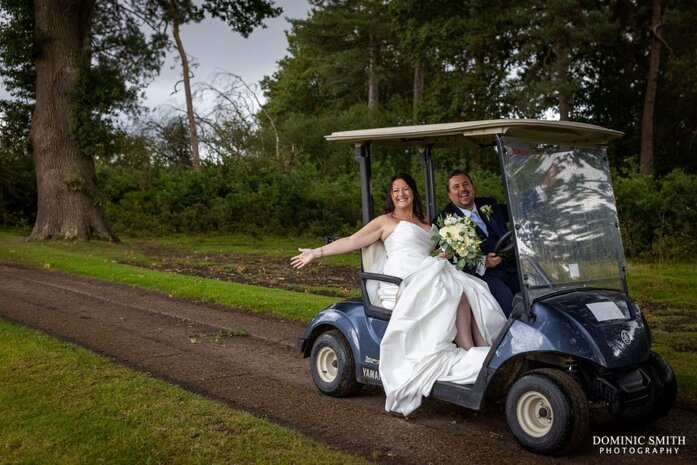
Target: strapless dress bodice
(406, 248)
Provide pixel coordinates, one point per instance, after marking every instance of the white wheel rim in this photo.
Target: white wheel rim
(327, 364)
(535, 414)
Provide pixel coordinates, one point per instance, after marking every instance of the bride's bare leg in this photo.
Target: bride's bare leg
(479, 340)
(463, 324)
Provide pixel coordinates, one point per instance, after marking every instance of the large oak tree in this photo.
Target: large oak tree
(65, 175)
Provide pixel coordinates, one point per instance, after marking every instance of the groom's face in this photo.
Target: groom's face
(461, 191)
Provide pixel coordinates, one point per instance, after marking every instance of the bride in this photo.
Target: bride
(442, 321)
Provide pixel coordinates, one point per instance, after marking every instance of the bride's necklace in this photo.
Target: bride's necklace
(410, 218)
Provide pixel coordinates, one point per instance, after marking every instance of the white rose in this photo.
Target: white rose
(447, 231)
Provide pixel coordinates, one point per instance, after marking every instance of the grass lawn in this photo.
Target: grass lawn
(242, 243)
(667, 294)
(100, 260)
(64, 405)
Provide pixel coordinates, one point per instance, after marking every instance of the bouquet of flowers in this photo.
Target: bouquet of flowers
(457, 238)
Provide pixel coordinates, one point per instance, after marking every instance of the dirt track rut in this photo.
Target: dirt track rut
(262, 373)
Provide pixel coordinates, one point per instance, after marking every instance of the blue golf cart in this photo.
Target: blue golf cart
(574, 337)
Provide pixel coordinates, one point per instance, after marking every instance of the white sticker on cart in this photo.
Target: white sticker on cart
(574, 271)
(604, 311)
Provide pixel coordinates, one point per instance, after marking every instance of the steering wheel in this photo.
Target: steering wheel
(504, 247)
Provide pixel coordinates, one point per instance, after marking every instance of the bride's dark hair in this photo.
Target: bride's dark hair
(417, 209)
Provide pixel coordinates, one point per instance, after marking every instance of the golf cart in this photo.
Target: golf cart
(574, 336)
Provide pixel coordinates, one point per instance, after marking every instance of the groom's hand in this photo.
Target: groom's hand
(492, 260)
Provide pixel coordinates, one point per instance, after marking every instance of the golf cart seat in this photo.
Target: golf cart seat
(371, 256)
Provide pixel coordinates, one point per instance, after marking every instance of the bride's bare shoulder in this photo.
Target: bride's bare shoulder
(386, 223)
(384, 219)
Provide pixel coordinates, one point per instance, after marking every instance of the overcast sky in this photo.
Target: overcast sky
(216, 48)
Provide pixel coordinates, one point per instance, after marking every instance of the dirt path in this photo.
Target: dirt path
(261, 372)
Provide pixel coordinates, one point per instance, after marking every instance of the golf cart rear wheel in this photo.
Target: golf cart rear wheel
(547, 411)
(332, 366)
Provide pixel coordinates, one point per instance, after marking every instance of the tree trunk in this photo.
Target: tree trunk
(646, 155)
(418, 89)
(565, 96)
(564, 106)
(193, 139)
(373, 85)
(65, 176)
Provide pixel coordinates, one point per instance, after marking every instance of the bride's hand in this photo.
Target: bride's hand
(442, 254)
(305, 257)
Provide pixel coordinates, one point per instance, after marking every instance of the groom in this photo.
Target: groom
(491, 219)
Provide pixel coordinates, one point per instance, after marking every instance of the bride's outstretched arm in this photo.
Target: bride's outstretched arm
(368, 234)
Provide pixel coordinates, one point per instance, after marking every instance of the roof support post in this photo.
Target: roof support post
(427, 165)
(363, 159)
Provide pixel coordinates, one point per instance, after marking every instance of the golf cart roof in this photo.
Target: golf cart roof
(479, 133)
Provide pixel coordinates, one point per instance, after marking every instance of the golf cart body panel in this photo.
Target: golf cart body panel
(362, 333)
(565, 324)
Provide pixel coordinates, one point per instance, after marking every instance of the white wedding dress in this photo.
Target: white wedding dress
(418, 349)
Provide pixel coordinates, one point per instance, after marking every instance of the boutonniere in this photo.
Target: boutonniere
(486, 209)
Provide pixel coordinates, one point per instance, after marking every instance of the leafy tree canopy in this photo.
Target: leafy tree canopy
(587, 60)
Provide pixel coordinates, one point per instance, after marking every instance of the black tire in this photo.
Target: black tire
(332, 366)
(547, 411)
(663, 392)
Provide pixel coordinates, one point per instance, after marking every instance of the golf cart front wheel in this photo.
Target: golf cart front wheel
(547, 411)
(332, 366)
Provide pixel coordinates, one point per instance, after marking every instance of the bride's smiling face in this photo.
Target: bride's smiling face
(402, 195)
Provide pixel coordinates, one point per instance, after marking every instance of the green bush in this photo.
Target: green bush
(17, 190)
(677, 228)
(250, 196)
(255, 195)
(316, 192)
(658, 216)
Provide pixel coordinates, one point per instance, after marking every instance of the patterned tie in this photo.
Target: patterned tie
(474, 216)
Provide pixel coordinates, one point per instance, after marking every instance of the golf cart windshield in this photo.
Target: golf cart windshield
(563, 210)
